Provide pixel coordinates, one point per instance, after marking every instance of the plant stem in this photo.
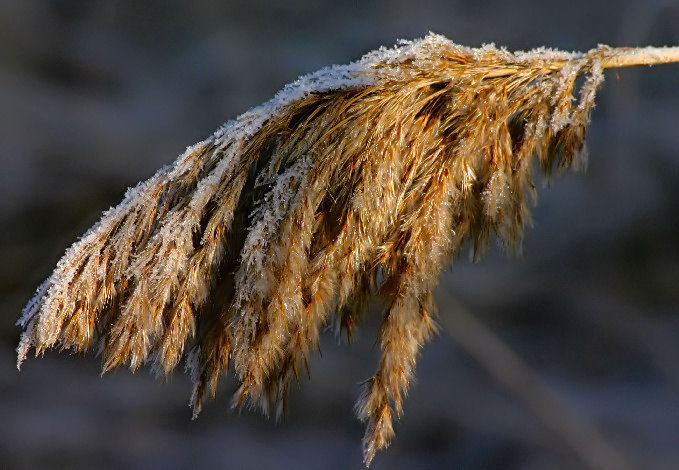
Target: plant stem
(631, 56)
(613, 58)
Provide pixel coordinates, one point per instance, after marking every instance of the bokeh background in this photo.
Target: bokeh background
(97, 95)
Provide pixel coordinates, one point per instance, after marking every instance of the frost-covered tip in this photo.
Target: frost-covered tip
(353, 182)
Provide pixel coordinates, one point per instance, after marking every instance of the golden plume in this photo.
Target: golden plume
(355, 182)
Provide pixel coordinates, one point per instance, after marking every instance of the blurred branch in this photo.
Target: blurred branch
(524, 383)
(634, 329)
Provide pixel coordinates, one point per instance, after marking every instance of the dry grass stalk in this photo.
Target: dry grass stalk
(355, 182)
(527, 386)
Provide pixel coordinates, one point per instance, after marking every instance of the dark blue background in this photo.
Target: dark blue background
(95, 96)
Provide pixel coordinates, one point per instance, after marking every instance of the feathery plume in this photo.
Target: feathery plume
(355, 182)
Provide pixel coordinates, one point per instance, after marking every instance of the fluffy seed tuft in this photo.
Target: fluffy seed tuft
(355, 182)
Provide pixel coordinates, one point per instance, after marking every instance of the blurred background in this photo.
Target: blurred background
(96, 96)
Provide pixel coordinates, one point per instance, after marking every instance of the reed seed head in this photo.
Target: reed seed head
(356, 182)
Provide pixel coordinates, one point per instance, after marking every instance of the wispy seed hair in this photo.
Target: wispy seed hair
(357, 182)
